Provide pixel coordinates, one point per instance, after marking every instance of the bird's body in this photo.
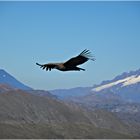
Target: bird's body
(71, 64)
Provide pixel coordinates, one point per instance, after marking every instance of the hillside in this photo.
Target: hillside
(5, 88)
(25, 115)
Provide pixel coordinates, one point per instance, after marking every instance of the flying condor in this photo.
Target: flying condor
(71, 64)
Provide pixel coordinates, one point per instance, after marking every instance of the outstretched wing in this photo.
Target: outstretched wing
(80, 59)
(46, 66)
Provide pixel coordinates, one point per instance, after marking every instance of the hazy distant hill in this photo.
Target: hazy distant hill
(6, 78)
(24, 115)
(72, 92)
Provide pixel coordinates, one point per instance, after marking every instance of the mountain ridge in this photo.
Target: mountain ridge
(121, 76)
(6, 78)
(125, 85)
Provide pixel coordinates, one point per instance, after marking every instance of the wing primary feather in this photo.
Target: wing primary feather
(87, 54)
(39, 64)
(84, 51)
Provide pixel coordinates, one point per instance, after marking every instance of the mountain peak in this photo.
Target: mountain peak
(127, 74)
(121, 78)
(2, 71)
(127, 85)
(6, 78)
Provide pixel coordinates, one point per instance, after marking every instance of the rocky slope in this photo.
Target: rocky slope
(5, 88)
(25, 115)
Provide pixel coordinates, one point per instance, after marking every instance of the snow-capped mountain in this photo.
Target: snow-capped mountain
(134, 79)
(126, 85)
(123, 87)
(7, 79)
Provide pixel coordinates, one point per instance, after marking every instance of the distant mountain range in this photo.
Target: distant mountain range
(125, 86)
(71, 93)
(7, 79)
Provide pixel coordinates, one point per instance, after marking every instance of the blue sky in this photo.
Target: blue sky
(46, 31)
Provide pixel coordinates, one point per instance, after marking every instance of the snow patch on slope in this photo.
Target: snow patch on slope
(134, 80)
(125, 82)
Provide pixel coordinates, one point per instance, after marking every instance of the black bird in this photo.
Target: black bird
(71, 64)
